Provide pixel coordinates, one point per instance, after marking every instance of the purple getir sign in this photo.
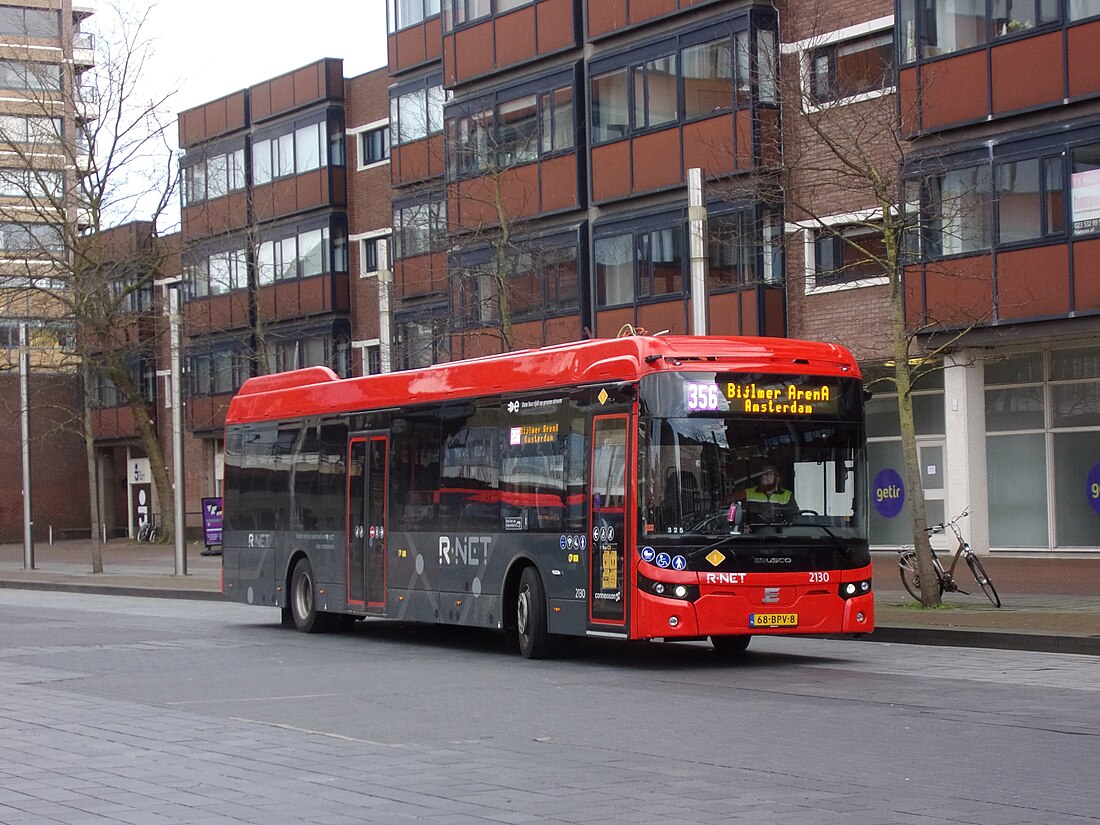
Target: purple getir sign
(888, 492)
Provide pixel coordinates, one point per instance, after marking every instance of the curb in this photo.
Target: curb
(115, 590)
(989, 639)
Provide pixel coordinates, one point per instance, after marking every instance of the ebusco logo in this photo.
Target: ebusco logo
(889, 493)
(513, 406)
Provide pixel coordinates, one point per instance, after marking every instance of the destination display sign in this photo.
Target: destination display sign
(782, 398)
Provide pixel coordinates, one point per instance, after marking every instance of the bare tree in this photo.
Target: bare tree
(88, 150)
(502, 267)
(843, 152)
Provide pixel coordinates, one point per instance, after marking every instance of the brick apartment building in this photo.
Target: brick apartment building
(43, 55)
(531, 157)
(995, 101)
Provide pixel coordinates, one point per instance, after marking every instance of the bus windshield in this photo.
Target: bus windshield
(718, 467)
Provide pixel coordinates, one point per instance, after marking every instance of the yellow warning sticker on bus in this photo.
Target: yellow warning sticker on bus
(610, 567)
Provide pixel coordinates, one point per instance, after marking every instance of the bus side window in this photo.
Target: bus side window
(414, 475)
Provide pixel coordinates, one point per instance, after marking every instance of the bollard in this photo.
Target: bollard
(51, 535)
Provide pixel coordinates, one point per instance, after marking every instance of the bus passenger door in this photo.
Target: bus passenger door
(367, 489)
(608, 488)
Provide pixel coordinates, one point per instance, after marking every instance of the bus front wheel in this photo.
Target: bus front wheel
(730, 647)
(531, 626)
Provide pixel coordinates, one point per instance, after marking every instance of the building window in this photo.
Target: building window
(610, 107)
(514, 131)
(417, 114)
(31, 238)
(32, 130)
(218, 372)
(1080, 9)
(655, 92)
(373, 358)
(941, 26)
(39, 23)
(310, 252)
(1017, 16)
(647, 264)
(732, 249)
(846, 254)
(422, 342)
(373, 255)
(848, 69)
(1030, 200)
(214, 177)
(1042, 413)
(614, 270)
(714, 76)
(300, 150)
(1085, 189)
(957, 211)
(707, 71)
(374, 146)
(419, 229)
(302, 351)
(405, 13)
(23, 75)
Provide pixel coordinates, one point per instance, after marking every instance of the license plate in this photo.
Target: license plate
(773, 620)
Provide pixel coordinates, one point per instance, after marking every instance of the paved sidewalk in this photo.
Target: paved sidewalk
(1049, 604)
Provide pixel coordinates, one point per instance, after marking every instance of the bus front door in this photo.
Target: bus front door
(367, 489)
(608, 484)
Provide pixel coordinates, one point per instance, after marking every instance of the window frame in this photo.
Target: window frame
(751, 36)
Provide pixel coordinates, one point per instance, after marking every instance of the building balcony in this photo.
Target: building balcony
(83, 50)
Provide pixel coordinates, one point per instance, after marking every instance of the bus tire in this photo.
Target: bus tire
(531, 625)
(730, 647)
(303, 600)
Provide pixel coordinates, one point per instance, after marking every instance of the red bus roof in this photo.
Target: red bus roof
(318, 390)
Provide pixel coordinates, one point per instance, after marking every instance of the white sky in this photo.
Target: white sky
(212, 48)
(206, 49)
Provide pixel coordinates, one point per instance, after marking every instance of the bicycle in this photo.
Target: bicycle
(147, 532)
(910, 577)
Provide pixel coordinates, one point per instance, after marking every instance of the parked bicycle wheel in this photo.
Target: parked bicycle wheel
(978, 569)
(144, 531)
(910, 575)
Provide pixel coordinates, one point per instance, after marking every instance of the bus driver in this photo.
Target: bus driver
(769, 497)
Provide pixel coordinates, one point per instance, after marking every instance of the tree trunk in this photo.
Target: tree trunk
(929, 583)
(92, 466)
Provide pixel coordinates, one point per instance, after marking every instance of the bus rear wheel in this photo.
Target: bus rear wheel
(730, 647)
(303, 601)
(531, 627)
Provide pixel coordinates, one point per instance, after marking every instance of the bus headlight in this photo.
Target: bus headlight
(849, 590)
(668, 590)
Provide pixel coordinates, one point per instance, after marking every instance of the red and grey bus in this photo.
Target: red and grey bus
(618, 488)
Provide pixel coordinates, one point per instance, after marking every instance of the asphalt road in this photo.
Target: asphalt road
(148, 711)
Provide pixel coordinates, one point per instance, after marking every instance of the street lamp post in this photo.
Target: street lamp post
(172, 305)
(25, 421)
(697, 247)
